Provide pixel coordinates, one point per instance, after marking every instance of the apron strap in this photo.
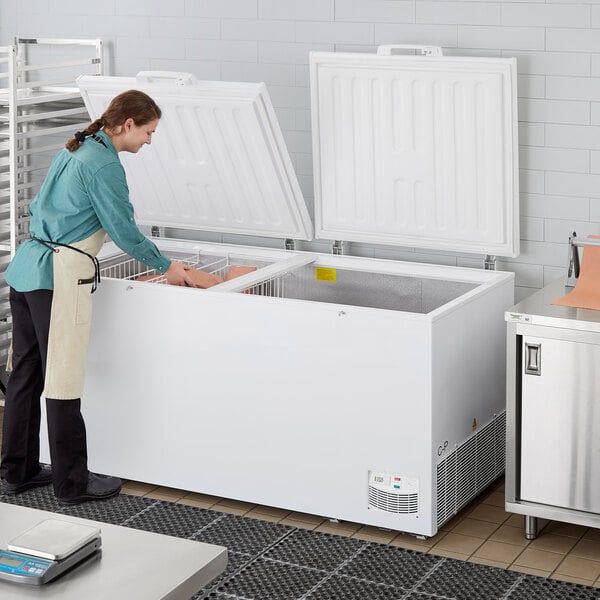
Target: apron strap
(95, 280)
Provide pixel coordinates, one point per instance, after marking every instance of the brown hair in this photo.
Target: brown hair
(131, 104)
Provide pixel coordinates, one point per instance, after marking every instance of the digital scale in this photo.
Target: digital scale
(47, 550)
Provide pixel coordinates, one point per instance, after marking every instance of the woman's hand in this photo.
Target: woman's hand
(176, 273)
(180, 274)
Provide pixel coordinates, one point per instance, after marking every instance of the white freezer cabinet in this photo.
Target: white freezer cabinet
(376, 398)
(359, 389)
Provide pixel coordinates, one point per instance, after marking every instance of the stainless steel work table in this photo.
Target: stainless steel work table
(553, 411)
(134, 565)
(538, 309)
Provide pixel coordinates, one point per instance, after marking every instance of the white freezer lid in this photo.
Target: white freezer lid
(416, 151)
(217, 162)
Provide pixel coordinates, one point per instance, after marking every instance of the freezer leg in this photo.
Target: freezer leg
(531, 527)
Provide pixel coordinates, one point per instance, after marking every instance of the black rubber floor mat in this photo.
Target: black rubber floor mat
(116, 511)
(178, 520)
(269, 580)
(468, 581)
(235, 562)
(537, 588)
(322, 551)
(248, 536)
(390, 566)
(42, 498)
(269, 561)
(348, 588)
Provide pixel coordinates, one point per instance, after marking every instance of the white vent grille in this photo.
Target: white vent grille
(470, 468)
(395, 493)
(401, 504)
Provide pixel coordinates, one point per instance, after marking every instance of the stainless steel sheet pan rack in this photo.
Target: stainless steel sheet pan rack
(40, 108)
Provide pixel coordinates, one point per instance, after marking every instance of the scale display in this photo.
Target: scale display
(21, 568)
(10, 561)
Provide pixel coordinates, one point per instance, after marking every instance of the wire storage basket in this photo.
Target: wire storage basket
(125, 267)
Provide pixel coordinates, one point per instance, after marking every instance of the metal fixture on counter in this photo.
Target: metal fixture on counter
(574, 261)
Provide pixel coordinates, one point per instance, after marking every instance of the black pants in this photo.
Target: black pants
(21, 427)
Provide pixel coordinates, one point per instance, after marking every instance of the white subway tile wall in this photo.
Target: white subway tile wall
(556, 43)
(531, 86)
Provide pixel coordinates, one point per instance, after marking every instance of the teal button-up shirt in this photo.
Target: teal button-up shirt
(83, 191)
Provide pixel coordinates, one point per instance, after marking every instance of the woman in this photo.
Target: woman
(51, 278)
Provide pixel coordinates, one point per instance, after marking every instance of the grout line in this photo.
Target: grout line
(433, 569)
(208, 525)
(280, 561)
(332, 573)
(515, 566)
(137, 514)
(250, 562)
(510, 590)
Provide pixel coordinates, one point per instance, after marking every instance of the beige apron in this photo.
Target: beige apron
(70, 318)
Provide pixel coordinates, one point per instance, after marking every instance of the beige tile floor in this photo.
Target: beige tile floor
(483, 532)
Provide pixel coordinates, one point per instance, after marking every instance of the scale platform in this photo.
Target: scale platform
(48, 550)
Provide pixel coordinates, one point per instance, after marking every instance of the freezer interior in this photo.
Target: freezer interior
(312, 282)
(373, 290)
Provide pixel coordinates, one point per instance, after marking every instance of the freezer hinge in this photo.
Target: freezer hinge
(489, 262)
(290, 244)
(338, 247)
(157, 231)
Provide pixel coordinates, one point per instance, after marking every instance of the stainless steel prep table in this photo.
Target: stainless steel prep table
(553, 413)
(134, 564)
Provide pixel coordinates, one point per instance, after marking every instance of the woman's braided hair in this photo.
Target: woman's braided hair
(131, 104)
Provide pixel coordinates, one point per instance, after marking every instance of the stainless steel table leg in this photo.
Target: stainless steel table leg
(531, 527)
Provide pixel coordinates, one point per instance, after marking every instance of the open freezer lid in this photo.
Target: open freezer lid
(416, 151)
(217, 162)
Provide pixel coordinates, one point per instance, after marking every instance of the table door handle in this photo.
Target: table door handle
(533, 359)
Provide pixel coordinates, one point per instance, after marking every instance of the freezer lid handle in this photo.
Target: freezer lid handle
(180, 78)
(388, 49)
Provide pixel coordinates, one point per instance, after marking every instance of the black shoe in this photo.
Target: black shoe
(99, 487)
(44, 477)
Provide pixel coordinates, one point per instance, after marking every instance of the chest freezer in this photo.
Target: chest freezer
(359, 389)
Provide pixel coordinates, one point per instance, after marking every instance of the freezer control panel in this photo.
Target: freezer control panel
(393, 483)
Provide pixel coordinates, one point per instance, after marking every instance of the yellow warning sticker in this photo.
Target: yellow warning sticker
(324, 274)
